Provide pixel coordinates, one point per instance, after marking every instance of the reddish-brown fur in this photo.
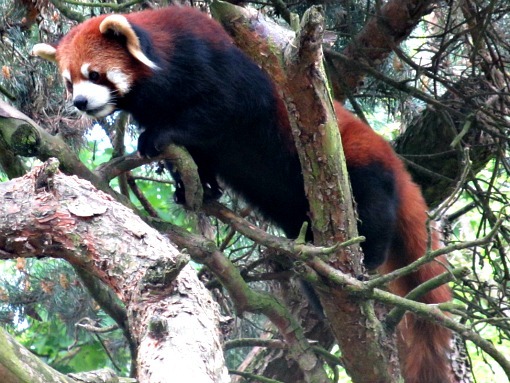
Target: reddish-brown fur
(86, 44)
(424, 343)
(181, 18)
(96, 49)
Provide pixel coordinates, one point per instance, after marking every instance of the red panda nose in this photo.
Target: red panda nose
(80, 102)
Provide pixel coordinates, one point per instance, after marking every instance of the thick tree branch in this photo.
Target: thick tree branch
(171, 317)
(18, 364)
(302, 82)
(327, 188)
(247, 299)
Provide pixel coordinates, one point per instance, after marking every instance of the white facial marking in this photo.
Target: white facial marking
(119, 79)
(98, 98)
(85, 70)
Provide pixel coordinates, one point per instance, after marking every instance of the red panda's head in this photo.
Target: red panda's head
(100, 60)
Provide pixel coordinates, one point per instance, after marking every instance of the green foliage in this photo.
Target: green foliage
(42, 301)
(74, 352)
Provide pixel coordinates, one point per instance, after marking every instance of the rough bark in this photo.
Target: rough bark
(24, 137)
(172, 318)
(302, 82)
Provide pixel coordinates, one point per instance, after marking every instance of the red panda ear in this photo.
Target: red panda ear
(45, 51)
(119, 25)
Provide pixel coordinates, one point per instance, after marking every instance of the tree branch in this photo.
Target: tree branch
(391, 24)
(26, 138)
(171, 317)
(246, 299)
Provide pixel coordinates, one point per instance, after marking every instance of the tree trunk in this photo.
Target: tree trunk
(302, 83)
(173, 320)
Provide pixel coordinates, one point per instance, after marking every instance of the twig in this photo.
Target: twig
(88, 326)
(412, 267)
(113, 6)
(395, 315)
(6, 93)
(423, 310)
(141, 197)
(254, 342)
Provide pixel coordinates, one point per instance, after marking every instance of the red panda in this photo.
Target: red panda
(183, 80)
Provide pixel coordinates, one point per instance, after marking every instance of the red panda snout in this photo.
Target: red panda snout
(96, 93)
(93, 99)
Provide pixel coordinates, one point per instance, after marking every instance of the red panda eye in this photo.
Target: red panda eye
(94, 76)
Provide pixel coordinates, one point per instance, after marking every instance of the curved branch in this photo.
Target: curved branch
(246, 299)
